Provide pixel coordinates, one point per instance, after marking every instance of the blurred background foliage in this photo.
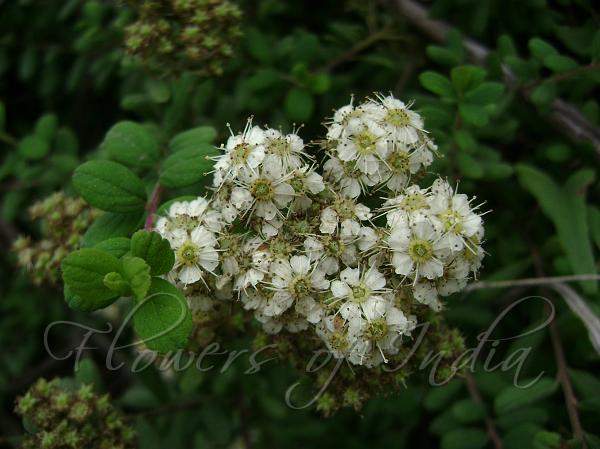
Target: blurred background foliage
(516, 125)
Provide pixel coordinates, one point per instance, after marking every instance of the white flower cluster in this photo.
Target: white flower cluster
(302, 252)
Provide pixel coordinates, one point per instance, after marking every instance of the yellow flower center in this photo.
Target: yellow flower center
(414, 201)
(398, 117)
(187, 254)
(365, 142)
(377, 329)
(360, 293)
(262, 189)
(399, 161)
(279, 146)
(420, 251)
(240, 153)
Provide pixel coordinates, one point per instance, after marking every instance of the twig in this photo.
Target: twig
(358, 48)
(489, 423)
(544, 280)
(561, 362)
(567, 118)
(152, 205)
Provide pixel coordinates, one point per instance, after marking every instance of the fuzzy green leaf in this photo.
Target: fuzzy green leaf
(193, 138)
(110, 225)
(83, 273)
(163, 319)
(117, 246)
(187, 167)
(137, 274)
(155, 250)
(132, 144)
(110, 186)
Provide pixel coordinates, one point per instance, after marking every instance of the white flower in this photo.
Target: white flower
(333, 330)
(287, 150)
(290, 321)
(195, 254)
(359, 293)
(343, 210)
(350, 181)
(242, 151)
(245, 261)
(399, 121)
(413, 202)
(454, 215)
(417, 250)
(364, 143)
(329, 250)
(402, 162)
(379, 334)
(298, 280)
(264, 191)
(187, 215)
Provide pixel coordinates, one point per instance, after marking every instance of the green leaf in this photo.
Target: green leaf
(193, 138)
(110, 186)
(440, 397)
(464, 438)
(159, 90)
(444, 56)
(567, 210)
(514, 397)
(559, 63)
(187, 167)
(155, 250)
(33, 147)
(259, 45)
(469, 166)
(437, 83)
(110, 225)
(594, 223)
(543, 94)
(473, 114)
(585, 384)
(45, 127)
(83, 273)
(468, 411)
(117, 283)
(163, 319)
(299, 104)
(540, 49)
(117, 246)
(2, 116)
(546, 440)
(535, 415)
(65, 142)
(132, 144)
(486, 93)
(137, 274)
(466, 77)
(81, 304)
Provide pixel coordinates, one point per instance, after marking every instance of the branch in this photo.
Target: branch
(561, 362)
(566, 117)
(152, 205)
(531, 282)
